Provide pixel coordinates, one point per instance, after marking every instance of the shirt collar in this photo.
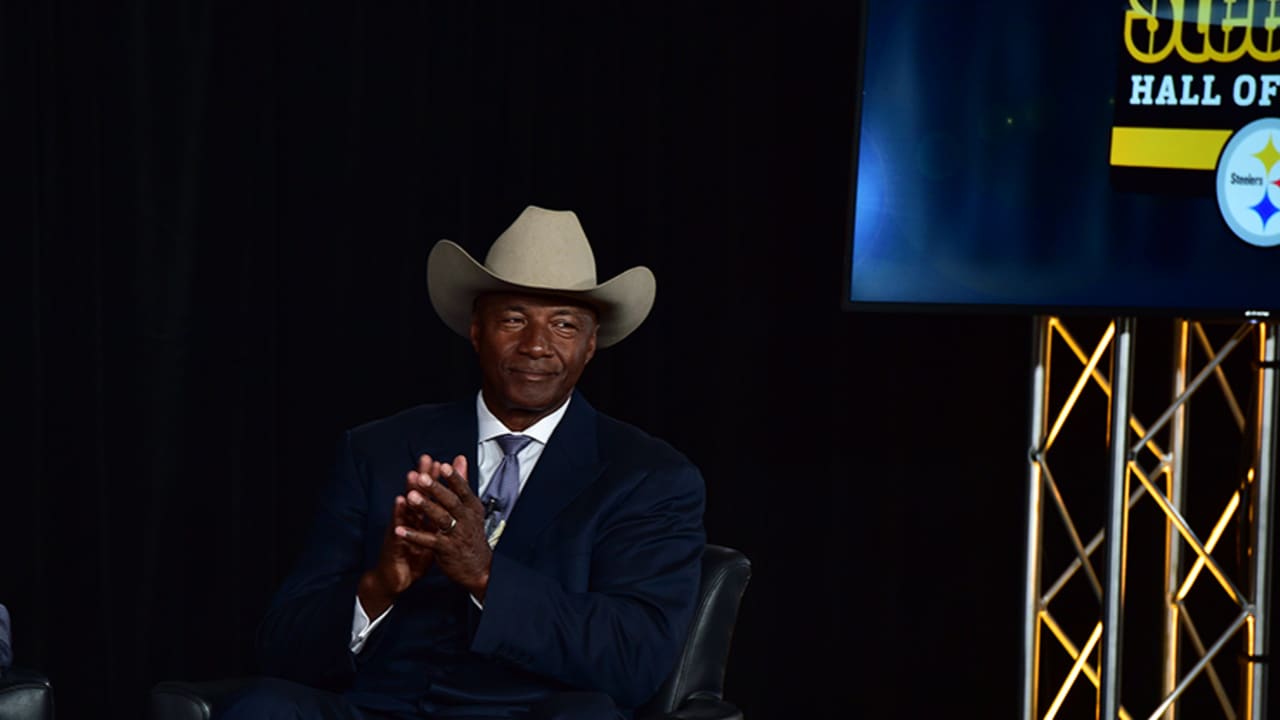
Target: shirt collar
(491, 427)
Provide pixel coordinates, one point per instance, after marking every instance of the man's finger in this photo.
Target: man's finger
(461, 485)
(422, 481)
(439, 513)
(400, 512)
(417, 500)
(405, 513)
(427, 471)
(418, 538)
(456, 477)
(419, 481)
(441, 494)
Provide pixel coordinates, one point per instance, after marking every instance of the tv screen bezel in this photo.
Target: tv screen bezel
(848, 304)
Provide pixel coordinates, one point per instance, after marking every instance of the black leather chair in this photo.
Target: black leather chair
(695, 690)
(25, 695)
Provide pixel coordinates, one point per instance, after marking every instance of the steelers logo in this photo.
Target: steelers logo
(1249, 183)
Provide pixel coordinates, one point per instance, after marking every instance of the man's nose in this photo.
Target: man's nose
(535, 340)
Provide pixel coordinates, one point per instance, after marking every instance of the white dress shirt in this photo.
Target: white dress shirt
(488, 456)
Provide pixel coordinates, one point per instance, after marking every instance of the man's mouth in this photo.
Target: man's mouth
(532, 373)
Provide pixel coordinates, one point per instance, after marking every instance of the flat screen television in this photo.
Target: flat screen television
(1041, 157)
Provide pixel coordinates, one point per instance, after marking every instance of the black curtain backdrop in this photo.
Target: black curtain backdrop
(218, 214)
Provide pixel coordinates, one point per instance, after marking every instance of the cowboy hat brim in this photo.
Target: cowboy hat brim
(455, 280)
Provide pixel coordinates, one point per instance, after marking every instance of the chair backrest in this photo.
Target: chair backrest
(25, 695)
(6, 647)
(699, 673)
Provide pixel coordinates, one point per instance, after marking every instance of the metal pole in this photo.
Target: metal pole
(1177, 496)
(1042, 338)
(1117, 520)
(1264, 482)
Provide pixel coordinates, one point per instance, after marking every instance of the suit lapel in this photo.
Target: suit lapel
(569, 463)
(453, 433)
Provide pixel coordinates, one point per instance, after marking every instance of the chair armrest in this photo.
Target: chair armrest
(698, 708)
(704, 709)
(25, 695)
(178, 700)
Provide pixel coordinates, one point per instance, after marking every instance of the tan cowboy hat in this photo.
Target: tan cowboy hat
(544, 251)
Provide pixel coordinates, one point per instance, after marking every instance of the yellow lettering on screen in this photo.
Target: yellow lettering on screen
(1173, 148)
(1234, 33)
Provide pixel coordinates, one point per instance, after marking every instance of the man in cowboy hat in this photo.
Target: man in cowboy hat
(517, 554)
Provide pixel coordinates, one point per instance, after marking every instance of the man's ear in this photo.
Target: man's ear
(591, 343)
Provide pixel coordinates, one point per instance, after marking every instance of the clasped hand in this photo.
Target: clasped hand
(438, 519)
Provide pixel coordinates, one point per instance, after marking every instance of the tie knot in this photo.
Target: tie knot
(512, 444)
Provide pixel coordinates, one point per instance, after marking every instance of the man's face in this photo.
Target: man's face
(532, 350)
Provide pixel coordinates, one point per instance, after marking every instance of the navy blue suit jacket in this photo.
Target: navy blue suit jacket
(592, 584)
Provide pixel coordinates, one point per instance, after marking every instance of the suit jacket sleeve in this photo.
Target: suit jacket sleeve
(624, 631)
(305, 635)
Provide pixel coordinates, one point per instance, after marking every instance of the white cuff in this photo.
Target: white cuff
(361, 627)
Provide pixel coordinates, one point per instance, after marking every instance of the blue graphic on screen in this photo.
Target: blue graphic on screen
(983, 176)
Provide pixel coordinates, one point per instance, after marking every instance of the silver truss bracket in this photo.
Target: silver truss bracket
(1092, 661)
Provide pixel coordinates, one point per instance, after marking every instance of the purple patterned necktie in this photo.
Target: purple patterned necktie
(501, 494)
